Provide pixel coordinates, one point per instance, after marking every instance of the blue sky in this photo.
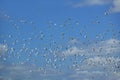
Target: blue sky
(69, 38)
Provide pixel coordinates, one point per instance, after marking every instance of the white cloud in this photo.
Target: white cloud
(116, 6)
(107, 47)
(92, 3)
(96, 68)
(95, 75)
(111, 46)
(114, 9)
(72, 51)
(27, 72)
(109, 64)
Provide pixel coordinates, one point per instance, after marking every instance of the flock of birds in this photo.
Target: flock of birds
(24, 47)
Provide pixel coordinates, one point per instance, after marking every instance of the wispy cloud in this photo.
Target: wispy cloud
(27, 72)
(116, 6)
(91, 3)
(98, 68)
(109, 64)
(95, 75)
(107, 47)
(114, 3)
